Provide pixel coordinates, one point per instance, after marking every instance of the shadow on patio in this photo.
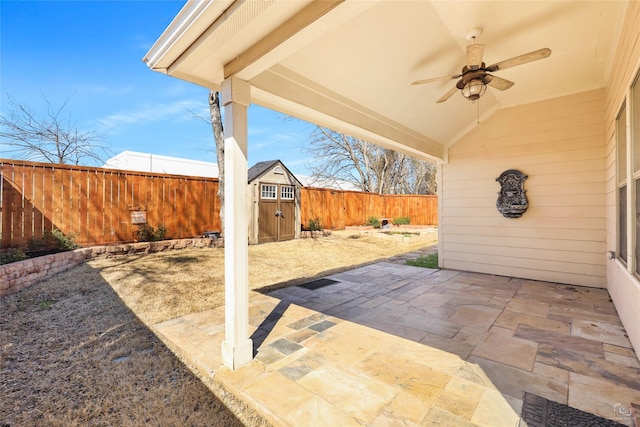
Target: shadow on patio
(389, 344)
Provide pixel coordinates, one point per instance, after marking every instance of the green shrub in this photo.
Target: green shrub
(429, 261)
(374, 221)
(144, 233)
(161, 233)
(37, 244)
(314, 224)
(64, 242)
(402, 220)
(52, 241)
(147, 233)
(12, 255)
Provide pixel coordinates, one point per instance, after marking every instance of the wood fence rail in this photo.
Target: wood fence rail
(100, 206)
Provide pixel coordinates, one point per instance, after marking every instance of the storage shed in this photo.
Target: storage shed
(274, 203)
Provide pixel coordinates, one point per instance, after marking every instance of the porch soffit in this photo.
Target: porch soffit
(278, 88)
(348, 64)
(283, 90)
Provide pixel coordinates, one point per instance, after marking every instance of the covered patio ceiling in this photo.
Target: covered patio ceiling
(348, 65)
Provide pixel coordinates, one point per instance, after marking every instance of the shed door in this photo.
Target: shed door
(287, 217)
(276, 213)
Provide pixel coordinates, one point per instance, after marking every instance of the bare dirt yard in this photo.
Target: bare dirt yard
(77, 349)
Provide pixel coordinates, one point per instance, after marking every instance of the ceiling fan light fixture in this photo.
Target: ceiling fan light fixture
(474, 89)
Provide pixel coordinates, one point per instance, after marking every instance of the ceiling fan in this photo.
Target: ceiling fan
(475, 77)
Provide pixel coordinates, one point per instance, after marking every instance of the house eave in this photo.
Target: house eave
(184, 29)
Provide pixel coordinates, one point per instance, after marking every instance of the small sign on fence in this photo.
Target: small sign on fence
(138, 217)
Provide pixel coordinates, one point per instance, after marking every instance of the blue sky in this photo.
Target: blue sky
(91, 52)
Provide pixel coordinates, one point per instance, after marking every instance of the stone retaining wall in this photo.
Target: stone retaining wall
(21, 274)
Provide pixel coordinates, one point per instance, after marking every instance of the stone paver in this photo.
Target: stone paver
(390, 344)
(504, 348)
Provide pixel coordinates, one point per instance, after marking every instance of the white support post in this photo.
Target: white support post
(237, 348)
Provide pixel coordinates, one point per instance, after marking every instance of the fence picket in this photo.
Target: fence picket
(95, 204)
(338, 209)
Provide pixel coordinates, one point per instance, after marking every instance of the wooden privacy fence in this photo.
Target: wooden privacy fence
(101, 206)
(98, 205)
(338, 209)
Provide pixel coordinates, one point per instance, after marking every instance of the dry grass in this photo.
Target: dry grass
(74, 352)
(74, 355)
(168, 285)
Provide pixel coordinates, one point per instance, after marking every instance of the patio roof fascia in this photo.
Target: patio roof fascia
(192, 20)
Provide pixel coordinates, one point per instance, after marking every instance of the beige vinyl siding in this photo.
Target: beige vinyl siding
(560, 145)
(623, 287)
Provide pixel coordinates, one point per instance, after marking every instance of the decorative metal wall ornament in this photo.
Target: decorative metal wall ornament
(512, 199)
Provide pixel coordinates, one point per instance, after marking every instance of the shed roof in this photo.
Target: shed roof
(259, 169)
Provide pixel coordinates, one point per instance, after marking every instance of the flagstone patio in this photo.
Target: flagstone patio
(390, 344)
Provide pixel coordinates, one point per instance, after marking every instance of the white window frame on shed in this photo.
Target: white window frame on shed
(287, 192)
(269, 191)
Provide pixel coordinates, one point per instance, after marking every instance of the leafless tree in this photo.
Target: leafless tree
(218, 136)
(369, 167)
(52, 137)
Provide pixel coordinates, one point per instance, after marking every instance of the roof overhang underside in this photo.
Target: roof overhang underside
(348, 64)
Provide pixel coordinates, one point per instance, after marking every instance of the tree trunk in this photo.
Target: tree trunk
(216, 124)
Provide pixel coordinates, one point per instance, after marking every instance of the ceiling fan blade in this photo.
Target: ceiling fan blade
(474, 55)
(436, 79)
(447, 95)
(500, 83)
(519, 60)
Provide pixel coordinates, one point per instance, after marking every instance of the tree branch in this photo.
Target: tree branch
(51, 138)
